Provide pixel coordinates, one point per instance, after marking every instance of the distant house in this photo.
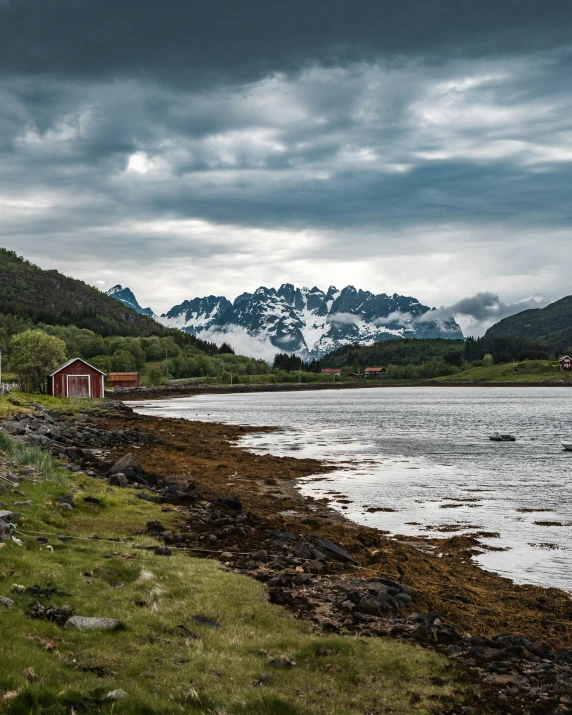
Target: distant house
(566, 363)
(373, 371)
(124, 379)
(76, 378)
(336, 371)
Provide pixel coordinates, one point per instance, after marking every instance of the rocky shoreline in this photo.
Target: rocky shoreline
(244, 510)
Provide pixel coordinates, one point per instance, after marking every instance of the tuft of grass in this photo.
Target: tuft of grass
(25, 455)
(162, 659)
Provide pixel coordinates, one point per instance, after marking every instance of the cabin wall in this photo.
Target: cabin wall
(58, 382)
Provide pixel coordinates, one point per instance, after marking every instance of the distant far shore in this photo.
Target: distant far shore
(189, 389)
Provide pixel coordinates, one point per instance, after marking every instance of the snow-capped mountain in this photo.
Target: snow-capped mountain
(125, 296)
(197, 315)
(306, 321)
(310, 321)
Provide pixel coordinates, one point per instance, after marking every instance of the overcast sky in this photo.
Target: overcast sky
(191, 148)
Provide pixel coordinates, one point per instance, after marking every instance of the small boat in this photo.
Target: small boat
(497, 437)
(567, 446)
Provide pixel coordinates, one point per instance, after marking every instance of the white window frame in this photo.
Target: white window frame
(68, 384)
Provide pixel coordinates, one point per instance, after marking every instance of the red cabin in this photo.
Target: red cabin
(124, 379)
(76, 378)
(566, 363)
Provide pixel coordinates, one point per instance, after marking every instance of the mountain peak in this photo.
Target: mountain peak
(126, 296)
(308, 321)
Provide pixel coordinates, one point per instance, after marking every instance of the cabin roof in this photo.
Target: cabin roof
(70, 362)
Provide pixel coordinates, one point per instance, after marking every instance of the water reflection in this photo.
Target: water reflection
(418, 461)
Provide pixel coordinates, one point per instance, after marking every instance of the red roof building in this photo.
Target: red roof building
(566, 363)
(332, 371)
(76, 378)
(124, 379)
(373, 371)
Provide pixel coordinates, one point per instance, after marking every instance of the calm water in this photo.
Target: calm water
(425, 453)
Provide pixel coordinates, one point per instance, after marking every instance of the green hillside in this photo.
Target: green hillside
(551, 325)
(98, 328)
(525, 371)
(30, 296)
(402, 351)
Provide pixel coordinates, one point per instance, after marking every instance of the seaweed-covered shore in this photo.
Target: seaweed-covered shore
(224, 502)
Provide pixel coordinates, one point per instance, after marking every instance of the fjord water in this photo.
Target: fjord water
(425, 453)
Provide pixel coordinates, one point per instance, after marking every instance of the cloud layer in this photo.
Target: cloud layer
(373, 145)
(478, 312)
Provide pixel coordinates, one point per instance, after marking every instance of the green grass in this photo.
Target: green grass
(18, 401)
(163, 667)
(527, 371)
(23, 455)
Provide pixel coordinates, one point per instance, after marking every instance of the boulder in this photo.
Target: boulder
(130, 467)
(179, 493)
(66, 499)
(116, 694)
(231, 503)
(154, 528)
(8, 516)
(162, 551)
(14, 428)
(86, 623)
(8, 602)
(334, 551)
(564, 654)
(118, 480)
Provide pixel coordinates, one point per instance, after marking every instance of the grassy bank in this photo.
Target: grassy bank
(18, 401)
(526, 371)
(162, 659)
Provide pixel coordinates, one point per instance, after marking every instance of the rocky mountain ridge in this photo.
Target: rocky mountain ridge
(307, 321)
(126, 296)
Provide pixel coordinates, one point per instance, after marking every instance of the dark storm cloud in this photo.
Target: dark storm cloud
(222, 39)
(287, 134)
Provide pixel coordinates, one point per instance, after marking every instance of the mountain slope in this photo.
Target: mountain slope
(125, 296)
(200, 313)
(551, 325)
(312, 322)
(32, 294)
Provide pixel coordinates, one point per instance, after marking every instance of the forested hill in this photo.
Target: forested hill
(404, 351)
(551, 325)
(30, 295)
